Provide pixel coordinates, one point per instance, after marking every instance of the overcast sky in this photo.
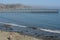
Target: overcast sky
(34, 2)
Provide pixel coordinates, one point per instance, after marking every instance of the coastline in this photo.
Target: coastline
(18, 36)
(6, 33)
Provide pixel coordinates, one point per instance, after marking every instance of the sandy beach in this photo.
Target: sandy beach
(15, 36)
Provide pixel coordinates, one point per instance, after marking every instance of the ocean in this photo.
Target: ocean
(45, 20)
(49, 21)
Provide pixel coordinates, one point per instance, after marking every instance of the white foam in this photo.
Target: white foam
(12, 24)
(49, 30)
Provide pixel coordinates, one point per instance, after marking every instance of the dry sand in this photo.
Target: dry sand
(15, 36)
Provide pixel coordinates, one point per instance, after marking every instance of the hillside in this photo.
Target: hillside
(13, 6)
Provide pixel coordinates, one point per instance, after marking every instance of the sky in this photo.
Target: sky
(33, 2)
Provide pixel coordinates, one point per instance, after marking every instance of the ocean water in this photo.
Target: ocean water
(42, 20)
(47, 23)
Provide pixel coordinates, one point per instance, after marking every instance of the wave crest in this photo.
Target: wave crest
(12, 24)
(49, 30)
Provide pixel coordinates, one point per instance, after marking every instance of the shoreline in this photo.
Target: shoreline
(26, 31)
(18, 36)
(14, 36)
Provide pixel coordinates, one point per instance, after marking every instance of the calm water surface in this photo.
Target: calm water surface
(43, 20)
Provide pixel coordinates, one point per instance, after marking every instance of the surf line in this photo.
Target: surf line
(12, 24)
(48, 30)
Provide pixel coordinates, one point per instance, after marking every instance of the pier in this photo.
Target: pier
(30, 11)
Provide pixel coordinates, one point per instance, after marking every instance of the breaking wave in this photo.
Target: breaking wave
(12, 24)
(49, 30)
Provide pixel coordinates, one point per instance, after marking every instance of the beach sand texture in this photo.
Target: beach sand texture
(15, 36)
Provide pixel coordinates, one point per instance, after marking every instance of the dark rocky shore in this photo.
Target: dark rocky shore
(30, 31)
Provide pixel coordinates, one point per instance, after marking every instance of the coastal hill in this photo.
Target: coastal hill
(13, 6)
(22, 6)
(30, 9)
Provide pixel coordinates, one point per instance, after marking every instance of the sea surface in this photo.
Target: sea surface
(48, 23)
(43, 20)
